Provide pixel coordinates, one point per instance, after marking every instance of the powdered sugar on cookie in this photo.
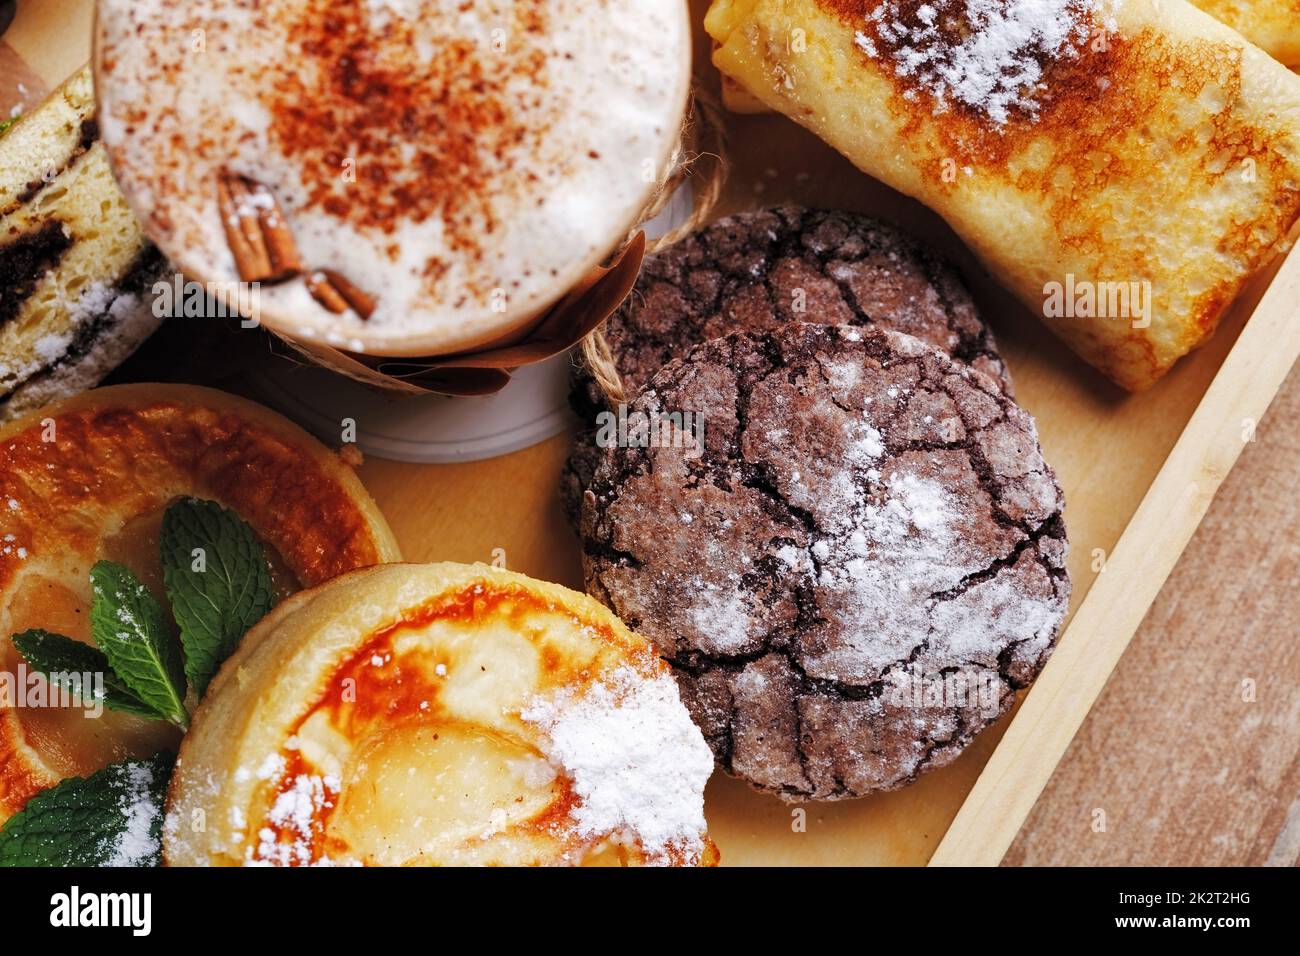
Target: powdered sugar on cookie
(881, 557)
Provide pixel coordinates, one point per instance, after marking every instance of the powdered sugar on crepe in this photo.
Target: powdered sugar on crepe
(637, 762)
(986, 54)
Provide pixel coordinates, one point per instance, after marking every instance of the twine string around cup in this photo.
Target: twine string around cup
(702, 144)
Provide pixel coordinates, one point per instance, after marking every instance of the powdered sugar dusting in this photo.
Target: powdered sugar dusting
(722, 616)
(137, 843)
(893, 540)
(866, 445)
(986, 54)
(62, 363)
(96, 301)
(994, 614)
(294, 819)
(880, 559)
(637, 762)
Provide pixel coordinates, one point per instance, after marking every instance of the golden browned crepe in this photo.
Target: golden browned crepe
(1272, 25)
(1124, 169)
(441, 714)
(88, 479)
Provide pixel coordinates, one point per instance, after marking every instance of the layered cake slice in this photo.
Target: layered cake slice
(75, 270)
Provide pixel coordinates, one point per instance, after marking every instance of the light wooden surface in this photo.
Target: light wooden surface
(1130, 577)
(1185, 767)
(1107, 448)
(47, 35)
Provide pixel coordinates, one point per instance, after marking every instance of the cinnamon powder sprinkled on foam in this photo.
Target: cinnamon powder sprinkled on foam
(469, 113)
(444, 157)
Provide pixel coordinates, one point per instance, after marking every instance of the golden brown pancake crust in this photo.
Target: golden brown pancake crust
(73, 474)
(360, 695)
(1090, 101)
(135, 460)
(353, 683)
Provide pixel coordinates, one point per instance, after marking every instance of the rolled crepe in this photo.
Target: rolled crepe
(1123, 169)
(1272, 25)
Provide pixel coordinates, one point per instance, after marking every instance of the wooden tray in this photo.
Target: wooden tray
(1139, 472)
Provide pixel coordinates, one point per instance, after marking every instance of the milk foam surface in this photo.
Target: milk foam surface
(464, 164)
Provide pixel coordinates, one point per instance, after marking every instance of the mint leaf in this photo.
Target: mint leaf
(5, 124)
(229, 593)
(64, 662)
(128, 624)
(111, 818)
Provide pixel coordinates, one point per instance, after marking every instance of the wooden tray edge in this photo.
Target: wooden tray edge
(1146, 553)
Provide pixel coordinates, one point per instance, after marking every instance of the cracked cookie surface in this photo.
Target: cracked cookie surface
(858, 570)
(761, 270)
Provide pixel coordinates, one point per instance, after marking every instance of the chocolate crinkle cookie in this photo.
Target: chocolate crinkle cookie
(854, 573)
(758, 271)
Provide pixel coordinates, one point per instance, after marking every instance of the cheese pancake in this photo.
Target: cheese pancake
(90, 478)
(441, 714)
(1124, 170)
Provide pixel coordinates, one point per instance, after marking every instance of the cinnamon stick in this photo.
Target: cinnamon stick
(264, 249)
(319, 285)
(338, 294)
(280, 247)
(243, 232)
(258, 236)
